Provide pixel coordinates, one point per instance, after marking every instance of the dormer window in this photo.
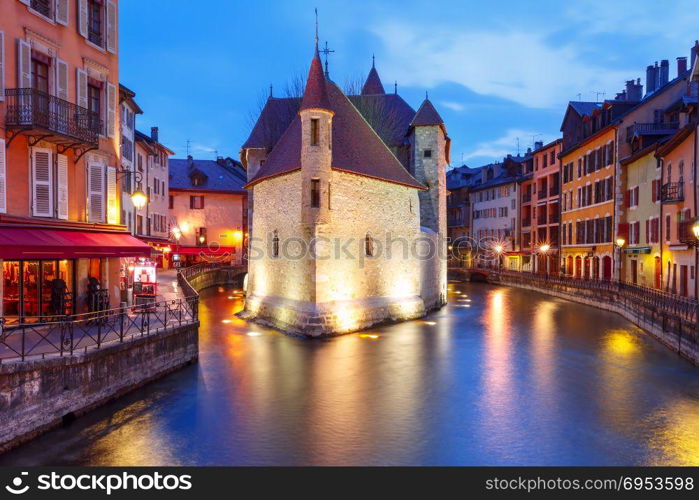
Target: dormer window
(315, 132)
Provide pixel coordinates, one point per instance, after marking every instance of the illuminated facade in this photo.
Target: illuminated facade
(349, 209)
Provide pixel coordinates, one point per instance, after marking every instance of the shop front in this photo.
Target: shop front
(49, 273)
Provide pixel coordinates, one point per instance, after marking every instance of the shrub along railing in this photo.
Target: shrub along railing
(72, 333)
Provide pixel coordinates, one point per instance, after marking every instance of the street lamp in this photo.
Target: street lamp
(695, 229)
(544, 250)
(620, 242)
(498, 250)
(139, 199)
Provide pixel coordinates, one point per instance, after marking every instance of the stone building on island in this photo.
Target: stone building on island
(348, 209)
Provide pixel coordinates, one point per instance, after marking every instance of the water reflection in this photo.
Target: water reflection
(500, 376)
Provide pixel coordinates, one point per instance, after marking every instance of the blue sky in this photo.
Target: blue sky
(497, 71)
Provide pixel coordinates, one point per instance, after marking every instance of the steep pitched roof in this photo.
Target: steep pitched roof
(224, 176)
(356, 147)
(426, 115)
(583, 107)
(373, 85)
(315, 95)
(388, 114)
(274, 119)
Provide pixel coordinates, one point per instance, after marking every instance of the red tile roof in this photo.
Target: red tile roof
(356, 147)
(315, 95)
(426, 115)
(373, 85)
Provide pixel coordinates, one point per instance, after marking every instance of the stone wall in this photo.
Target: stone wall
(36, 396)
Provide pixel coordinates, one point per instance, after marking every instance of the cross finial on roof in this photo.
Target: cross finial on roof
(373, 61)
(326, 51)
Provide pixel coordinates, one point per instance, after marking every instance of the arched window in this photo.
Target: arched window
(369, 245)
(275, 244)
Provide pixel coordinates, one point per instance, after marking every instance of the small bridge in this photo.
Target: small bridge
(205, 275)
(475, 274)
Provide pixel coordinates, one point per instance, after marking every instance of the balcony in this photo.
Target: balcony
(662, 128)
(50, 118)
(541, 194)
(456, 221)
(526, 197)
(526, 222)
(553, 191)
(672, 192)
(541, 220)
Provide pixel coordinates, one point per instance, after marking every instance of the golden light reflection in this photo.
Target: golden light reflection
(622, 343)
(368, 336)
(677, 435)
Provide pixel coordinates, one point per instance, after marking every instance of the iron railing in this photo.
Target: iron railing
(652, 128)
(659, 300)
(83, 332)
(672, 191)
(526, 197)
(31, 108)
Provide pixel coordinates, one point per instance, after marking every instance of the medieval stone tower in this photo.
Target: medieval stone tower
(331, 171)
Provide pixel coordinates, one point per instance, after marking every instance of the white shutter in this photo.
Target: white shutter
(81, 88)
(111, 109)
(62, 12)
(112, 202)
(62, 195)
(2, 65)
(95, 193)
(3, 177)
(82, 17)
(42, 200)
(61, 79)
(111, 26)
(24, 63)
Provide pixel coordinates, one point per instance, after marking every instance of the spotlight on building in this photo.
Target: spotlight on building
(545, 248)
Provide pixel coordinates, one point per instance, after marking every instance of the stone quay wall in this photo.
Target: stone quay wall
(36, 396)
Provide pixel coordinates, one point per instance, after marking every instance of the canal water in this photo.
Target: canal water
(500, 376)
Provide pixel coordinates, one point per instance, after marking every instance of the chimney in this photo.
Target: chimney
(538, 145)
(664, 76)
(154, 134)
(190, 161)
(650, 79)
(694, 52)
(633, 91)
(681, 66)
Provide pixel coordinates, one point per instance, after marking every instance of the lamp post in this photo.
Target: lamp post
(498, 250)
(138, 197)
(177, 234)
(620, 242)
(544, 250)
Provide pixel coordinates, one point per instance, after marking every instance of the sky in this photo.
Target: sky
(500, 73)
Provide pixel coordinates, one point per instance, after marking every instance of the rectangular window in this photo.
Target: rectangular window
(315, 133)
(94, 22)
(40, 76)
(315, 193)
(427, 153)
(196, 202)
(43, 7)
(171, 202)
(93, 99)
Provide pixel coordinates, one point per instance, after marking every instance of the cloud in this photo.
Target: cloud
(507, 144)
(520, 66)
(455, 106)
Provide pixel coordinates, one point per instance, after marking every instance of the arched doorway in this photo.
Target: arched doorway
(595, 268)
(658, 273)
(569, 265)
(587, 268)
(607, 267)
(578, 267)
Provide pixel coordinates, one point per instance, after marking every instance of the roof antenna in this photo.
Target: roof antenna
(395, 87)
(426, 97)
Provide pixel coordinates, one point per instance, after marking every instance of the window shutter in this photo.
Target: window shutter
(112, 203)
(111, 109)
(62, 12)
(3, 176)
(42, 201)
(81, 88)
(111, 27)
(24, 63)
(95, 193)
(62, 195)
(61, 79)
(627, 198)
(82, 17)
(647, 230)
(2, 66)
(652, 191)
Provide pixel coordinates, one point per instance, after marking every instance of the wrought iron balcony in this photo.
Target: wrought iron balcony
(51, 118)
(526, 197)
(672, 192)
(526, 222)
(541, 194)
(659, 128)
(541, 220)
(553, 191)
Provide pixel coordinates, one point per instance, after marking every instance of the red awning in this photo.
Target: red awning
(28, 243)
(203, 250)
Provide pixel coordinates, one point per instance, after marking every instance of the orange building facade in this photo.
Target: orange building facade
(61, 240)
(587, 203)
